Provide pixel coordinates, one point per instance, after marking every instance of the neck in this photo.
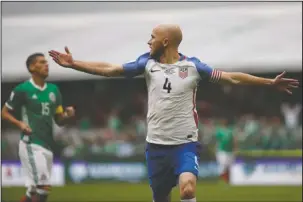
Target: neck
(38, 81)
(170, 56)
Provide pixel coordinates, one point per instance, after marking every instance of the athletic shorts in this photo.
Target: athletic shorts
(165, 163)
(36, 162)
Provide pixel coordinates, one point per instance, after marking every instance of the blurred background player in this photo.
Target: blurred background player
(225, 148)
(172, 152)
(38, 102)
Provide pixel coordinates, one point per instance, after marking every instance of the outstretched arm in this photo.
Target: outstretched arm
(238, 78)
(130, 69)
(96, 68)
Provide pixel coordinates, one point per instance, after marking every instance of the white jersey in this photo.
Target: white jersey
(172, 118)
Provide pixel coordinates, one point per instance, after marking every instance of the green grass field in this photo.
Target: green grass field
(110, 192)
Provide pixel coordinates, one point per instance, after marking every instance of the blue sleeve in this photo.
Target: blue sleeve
(203, 69)
(137, 67)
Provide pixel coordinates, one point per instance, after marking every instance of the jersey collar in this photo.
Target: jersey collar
(36, 86)
(182, 57)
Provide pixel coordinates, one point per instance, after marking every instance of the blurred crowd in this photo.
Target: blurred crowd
(111, 118)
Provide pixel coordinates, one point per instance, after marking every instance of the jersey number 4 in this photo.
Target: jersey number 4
(167, 85)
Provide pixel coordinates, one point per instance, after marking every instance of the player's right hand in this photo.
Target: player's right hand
(62, 59)
(25, 128)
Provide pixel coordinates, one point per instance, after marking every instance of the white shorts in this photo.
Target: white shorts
(225, 160)
(36, 163)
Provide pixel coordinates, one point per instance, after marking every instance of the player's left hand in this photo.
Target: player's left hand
(285, 84)
(70, 112)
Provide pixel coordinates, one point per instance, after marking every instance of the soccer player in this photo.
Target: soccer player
(39, 102)
(172, 78)
(226, 146)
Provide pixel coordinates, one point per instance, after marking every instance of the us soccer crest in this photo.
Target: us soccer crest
(183, 72)
(52, 97)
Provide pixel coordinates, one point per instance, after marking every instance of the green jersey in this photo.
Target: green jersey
(38, 107)
(225, 140)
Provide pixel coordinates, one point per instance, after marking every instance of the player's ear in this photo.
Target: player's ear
(31, 68)
(165, 42)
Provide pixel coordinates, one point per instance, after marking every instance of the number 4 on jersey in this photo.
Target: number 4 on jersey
(167, 85)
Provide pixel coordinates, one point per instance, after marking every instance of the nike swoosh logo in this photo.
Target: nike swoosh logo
(156, 70)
